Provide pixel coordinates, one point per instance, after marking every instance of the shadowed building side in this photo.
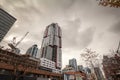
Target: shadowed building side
(6, 22)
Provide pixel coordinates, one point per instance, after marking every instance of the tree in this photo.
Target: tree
(89, 57)
(111, 3)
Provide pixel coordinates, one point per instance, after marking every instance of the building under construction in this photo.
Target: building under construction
(15, 66)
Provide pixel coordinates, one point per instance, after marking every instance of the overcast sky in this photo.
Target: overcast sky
(84, 23)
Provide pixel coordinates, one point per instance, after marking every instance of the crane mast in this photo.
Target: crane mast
(21, 39)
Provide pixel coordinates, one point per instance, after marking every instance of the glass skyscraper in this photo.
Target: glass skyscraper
(32, 51)
(6, 22)
(73, 63)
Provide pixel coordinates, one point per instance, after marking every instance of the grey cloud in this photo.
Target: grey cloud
(28, 19)
(27, 14)
(72, 15)
(87, 36)
(115, 28)
(72, 38)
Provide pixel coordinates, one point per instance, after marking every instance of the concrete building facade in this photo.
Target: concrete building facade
(51, 44)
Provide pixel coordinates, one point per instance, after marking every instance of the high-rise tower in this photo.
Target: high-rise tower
(51, 44)
(98, 73)
(32, 51)
(73, 63)
(6, 22)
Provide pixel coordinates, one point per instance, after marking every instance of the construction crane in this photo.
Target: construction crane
(14, 45)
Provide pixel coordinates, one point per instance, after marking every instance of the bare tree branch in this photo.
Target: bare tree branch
(89, 56)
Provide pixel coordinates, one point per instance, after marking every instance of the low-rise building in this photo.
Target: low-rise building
(68, 69)
(48, 65)
(71, 75)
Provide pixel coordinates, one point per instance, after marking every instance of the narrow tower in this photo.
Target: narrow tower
(73, 63)
(51, 44)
